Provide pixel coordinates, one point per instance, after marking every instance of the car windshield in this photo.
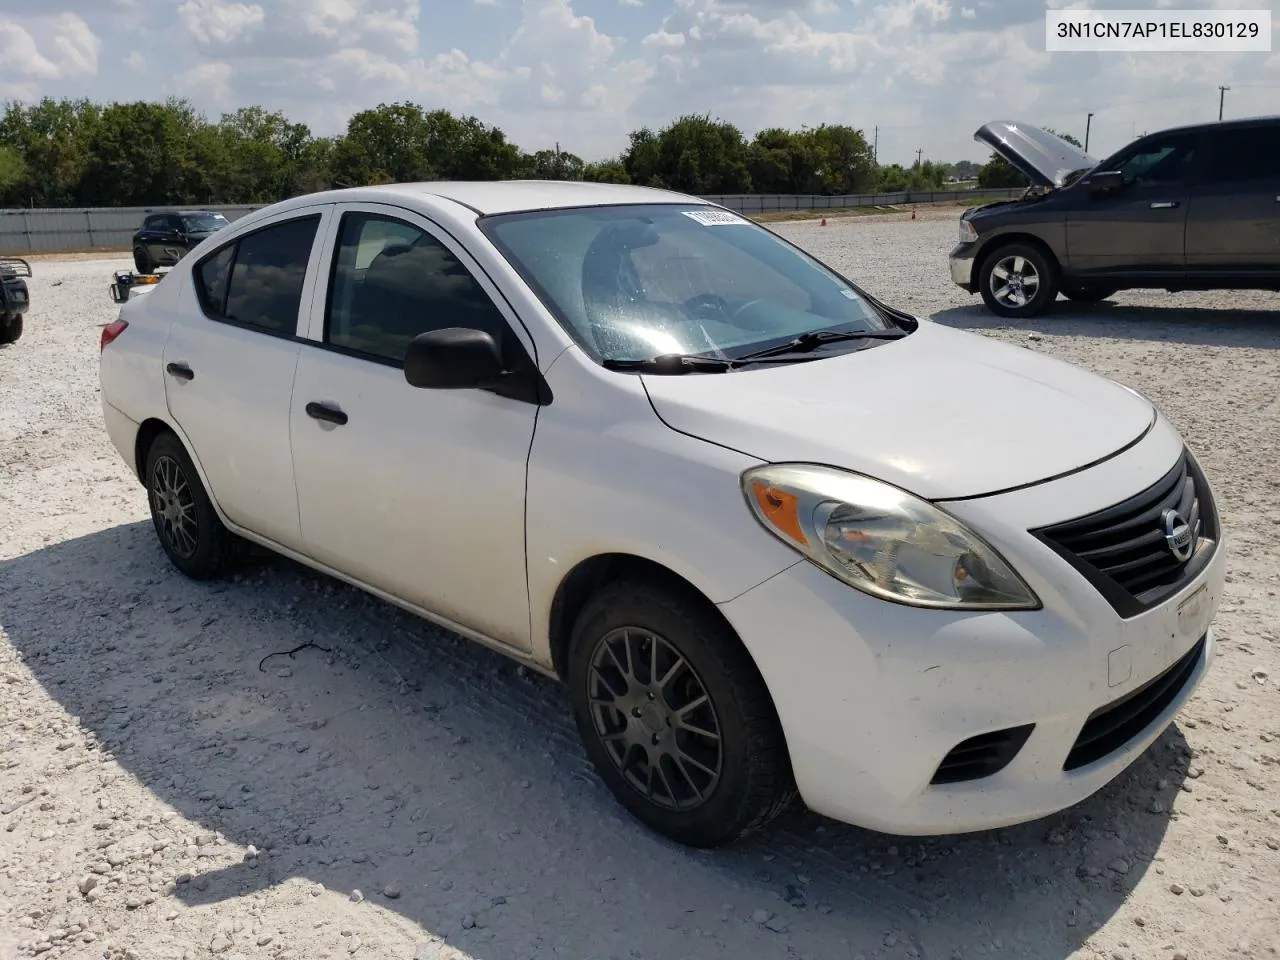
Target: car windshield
(197, 222)
(634, 282)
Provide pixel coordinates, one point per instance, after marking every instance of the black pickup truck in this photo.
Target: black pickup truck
(14, 297)
(165, 238)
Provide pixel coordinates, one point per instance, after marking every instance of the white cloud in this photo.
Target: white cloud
(48, 48)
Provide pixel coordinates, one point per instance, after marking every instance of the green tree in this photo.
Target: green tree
(843, 159)
(13, 170)
(694, 154)
(555, 165)
(606, 171)
(50, 137)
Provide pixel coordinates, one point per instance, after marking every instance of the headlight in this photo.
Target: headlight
(882, 540)
(967, 233)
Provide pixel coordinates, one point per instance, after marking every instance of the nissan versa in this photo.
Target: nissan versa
(774, 535)
(1194, 208)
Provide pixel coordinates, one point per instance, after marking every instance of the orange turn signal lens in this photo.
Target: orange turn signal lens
(781, 509)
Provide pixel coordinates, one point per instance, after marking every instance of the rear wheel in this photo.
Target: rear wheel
(1018, 281)
(674, 715)
(190, 532)
(10, 328)
(142, 261)
(1088, 294)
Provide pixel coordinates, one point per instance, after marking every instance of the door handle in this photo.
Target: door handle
(323, 411)
(181, 371)
(1164, 204)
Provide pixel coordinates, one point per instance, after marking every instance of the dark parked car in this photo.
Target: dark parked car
(1192, 208)
(14, 297)
(165, 238)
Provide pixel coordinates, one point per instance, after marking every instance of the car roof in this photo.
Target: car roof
(510, 196)
(1222, 124)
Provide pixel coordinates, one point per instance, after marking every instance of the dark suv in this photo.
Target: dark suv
(14, 297)
(165, 238)
(1193, 208)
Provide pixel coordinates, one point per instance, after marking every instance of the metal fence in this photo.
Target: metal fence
(65, 230)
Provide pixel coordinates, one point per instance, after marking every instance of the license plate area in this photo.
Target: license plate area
(1193, 613)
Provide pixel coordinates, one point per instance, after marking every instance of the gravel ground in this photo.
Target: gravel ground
(398, 793)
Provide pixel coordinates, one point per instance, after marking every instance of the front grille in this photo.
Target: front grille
(1123, 550)
(1111, 727)
(983, 755)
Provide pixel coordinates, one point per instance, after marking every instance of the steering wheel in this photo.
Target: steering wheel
(742, 308)
(697, 306)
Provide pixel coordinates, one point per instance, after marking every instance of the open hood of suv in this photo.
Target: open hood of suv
(1044, 157)
(942, 413)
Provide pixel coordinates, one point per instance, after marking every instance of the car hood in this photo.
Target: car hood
(942, 413)
(1044, 157)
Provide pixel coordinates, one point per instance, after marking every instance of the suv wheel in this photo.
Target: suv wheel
(675, 717)
(142, 261)
(1018, 281)
(1088, 294)
(190, 532)
(10, 328)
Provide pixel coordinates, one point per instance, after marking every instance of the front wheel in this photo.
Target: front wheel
(1018, 281)
(190, 532)
(675, 717)
(10, 328)
(142, 261)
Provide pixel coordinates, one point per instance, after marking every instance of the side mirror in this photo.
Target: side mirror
(454, 358)
(1106, 181)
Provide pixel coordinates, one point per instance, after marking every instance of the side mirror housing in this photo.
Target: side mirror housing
(1106, 181)
(455, 358)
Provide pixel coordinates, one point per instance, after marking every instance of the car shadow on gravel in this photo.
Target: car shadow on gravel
(1195, 326)
(447, 784)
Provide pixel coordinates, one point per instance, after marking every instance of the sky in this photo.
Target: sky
(584, 73)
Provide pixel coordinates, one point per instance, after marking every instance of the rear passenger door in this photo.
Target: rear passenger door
(1234, 222)
(229, 367)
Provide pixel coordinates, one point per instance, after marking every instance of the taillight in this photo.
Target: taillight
(111, 331)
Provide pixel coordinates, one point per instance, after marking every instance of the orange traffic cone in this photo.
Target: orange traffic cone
(823, 223)
(913, 213)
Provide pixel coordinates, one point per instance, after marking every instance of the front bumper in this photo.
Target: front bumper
(962, 265)
(874, 696)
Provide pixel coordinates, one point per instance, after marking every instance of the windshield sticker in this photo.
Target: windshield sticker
(713, 218)
(848, 295)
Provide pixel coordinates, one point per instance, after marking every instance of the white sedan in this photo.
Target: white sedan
(774, 535)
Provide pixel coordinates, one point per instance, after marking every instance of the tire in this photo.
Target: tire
(174, 491)
(754, 782)
(1088, 294)
(142, 261)
(11, 328)
(1030, 261)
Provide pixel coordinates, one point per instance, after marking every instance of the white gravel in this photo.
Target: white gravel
(402, 794)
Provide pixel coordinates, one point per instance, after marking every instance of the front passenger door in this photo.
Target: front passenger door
(1141, 227)
(418, 493)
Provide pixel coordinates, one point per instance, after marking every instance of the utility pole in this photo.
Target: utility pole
(1222, 93)
(875, 147)
(1087, 123)
(919, 153)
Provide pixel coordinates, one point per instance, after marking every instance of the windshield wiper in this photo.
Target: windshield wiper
(672, 363)
(816, 338)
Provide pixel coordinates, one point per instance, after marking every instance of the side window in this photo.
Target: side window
(211, 280)
(1245, 154)
(152, 223)
(173, 224)
(392, 281)
(1163, 161)
(257, 280)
